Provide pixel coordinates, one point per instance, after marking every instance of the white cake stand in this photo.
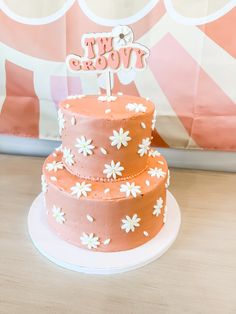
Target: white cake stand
(85, 261)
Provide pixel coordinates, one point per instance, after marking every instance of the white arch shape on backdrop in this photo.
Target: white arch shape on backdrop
(166, 24)
(179, 18)
(113, 22)
(36, 21)
(149, 6)
(123, 21)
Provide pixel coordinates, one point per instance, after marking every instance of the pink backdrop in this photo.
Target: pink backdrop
(191, 76)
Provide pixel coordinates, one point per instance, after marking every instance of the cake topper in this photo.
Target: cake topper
(109, 52)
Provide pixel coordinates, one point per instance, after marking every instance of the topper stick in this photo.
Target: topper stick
(108, 87)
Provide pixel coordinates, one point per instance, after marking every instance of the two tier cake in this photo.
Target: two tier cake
(105, 188)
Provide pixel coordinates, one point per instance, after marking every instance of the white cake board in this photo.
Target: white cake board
(85, 261)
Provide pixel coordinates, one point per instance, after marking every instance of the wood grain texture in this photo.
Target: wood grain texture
(196, 275)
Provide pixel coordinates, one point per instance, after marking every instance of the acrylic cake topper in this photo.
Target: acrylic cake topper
(108, 53)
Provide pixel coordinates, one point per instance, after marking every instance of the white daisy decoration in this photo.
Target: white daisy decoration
(122, 36)
(90, 240)
(129, 224)
(107, 98)
(168, 180)
(58, 215)
(81, 189)
(44, 184)
(157, 208)
(61, 121)
(156, 172)
(136, 107)
(113, 170)
(165, 215)
(154, 153)
(144, 146)
(68, 156)
(84, 146)
(120, 138)
(54, 166)
(154, 119)
(130, 189)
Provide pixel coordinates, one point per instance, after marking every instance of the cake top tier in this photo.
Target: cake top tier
(117, 106)
(106, 139)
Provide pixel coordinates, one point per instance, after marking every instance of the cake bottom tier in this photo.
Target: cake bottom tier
(105, 216)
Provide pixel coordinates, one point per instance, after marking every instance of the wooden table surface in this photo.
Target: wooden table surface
(196, 275)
